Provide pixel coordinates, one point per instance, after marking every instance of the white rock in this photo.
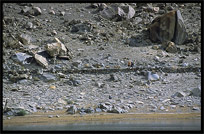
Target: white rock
(25, 39)
(152, 77)
(41, 60)
(179, 94)
(37, 11)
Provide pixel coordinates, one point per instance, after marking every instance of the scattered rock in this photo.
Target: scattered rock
(50, 116)
(166, 100)
(162, 108)
(110, 97)
(41, 60)
(135, 41)
(152, 77)
(77, 63)
(100, 85)
(90, 110)
(115, 110)
(185, 64)
(72, 109)
(113, 78)
(61, 101)
(52, 12)
(62, 13)
(52, 87)
(81, 28)
(25, 39)
(31, 11)
(196, 108)
(196, 92)
(48, 77)
(29, 25)
(98, 110)
(56, 49)
(54, 32)
(37, 11)
(57, 116)
(139, 102)
(26, 9)
(103, 106)
(22, 58)
(179, 94)
(117, 12)
(14, 78)
(127, 12)
(171, 47)
(173, 106)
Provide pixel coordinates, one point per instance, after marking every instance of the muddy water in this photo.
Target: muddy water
(146, 122)
(120, 125)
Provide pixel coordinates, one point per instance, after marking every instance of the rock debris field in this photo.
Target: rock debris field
(101, 58)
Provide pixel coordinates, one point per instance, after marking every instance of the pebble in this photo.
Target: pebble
(152, 77)
(166, 100)
(62, 13)
(173, 106)
(52, 87)
(179, 94)
(54, 32)
(29, 25)
(48, 77)
(115, 110)
(41, 60)
(52, 12)
(195, 108)
(185, 64)
(77, 63)
(37, 11)
(100, 85)
(103, 106)
(162, 108)
(98, 110)
(25, 39)
(113, 78)
(139, 102)
(72, 109)
(50, 116)
(57, 116)
(171, 48)
(90, 110)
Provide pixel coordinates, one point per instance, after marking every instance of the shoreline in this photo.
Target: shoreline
(62, 117)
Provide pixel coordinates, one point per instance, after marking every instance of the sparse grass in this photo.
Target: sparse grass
(21, 113)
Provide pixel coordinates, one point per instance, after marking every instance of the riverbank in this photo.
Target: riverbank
(63, 119)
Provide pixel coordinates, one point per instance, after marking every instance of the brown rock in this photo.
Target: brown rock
(168, 27)
(53, 49)
(162, 27)
(58, 49)
(171, 47)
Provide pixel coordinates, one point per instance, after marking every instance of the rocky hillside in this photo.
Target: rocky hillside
(101, 57)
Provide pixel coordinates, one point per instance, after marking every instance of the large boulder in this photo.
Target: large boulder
(168, 27)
